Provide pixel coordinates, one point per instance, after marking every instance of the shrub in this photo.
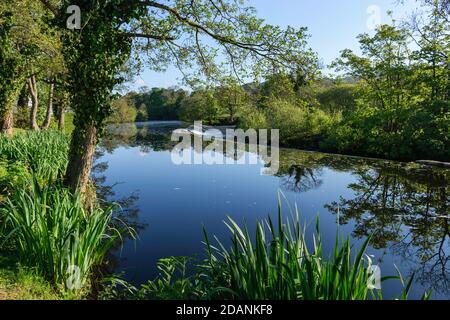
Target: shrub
(299, 126)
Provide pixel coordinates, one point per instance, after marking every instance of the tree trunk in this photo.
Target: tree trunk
(7, 122)
(23, 97)
(84, 141)
(48, 115)
(61, 118)
(34, 102)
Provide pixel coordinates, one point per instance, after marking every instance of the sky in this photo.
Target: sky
(332, 24)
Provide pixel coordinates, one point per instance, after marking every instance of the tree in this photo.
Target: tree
(49, 112)
(173, 31)
(277, 86)
(232, 97)
(123, 111)
(433, 54)
(142, 114)
(31, 50)
(337, 98)
(62, 102)
(402, 106)
(200, 105)
(10, 70)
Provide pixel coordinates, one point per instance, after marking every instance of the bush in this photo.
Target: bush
(299, 126)
(123, 111)
(412, 133)
(253, 118)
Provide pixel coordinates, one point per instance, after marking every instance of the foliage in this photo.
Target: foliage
(11, 63)
(298, 125)
(142, 114)
(20, 283)
(278, 265)
(337, 98)
(42, 154)
(158, 103)
(402, 100)
(123, 111)
(253, 118)
(232, 97)
(201, 104)
(53, 232)
(424, 133)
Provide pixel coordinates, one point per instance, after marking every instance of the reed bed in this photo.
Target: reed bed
(54, 233)
(42, 153)
(278, 264)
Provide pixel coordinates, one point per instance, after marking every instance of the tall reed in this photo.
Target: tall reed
(279, 265)
(53, 232)
(42, 153)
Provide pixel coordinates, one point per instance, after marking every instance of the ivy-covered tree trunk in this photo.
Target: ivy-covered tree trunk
(48, 115)
(84, 141)
(7, 122)
(94, 57)
(10, 75)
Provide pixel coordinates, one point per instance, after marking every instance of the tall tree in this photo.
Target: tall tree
(232, 97)
(168, 31)
(11, 64)
(49, 112)
(33, 88)
(430, 32)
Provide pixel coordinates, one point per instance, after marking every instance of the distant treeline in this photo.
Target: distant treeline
(231, 103)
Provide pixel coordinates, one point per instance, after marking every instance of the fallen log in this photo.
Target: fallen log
(434, 163)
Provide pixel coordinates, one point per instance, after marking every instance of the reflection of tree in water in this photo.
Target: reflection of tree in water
(300, 179)
(144, 137)
(126, 211)
(407, 210)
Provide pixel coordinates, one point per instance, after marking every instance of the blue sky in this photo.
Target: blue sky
(333, 25)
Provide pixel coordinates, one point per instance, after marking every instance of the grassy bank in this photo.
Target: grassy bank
(58, 243)
(21, 283)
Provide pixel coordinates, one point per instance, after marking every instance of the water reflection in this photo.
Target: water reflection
(405, 207)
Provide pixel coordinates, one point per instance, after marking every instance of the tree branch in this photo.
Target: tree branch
(50, 7)
(148, 36)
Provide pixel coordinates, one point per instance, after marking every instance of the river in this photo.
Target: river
(404, 206)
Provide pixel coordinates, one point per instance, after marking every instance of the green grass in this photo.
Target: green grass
(278, 264)
(20, 283)
(49, 228)
(68, 123)
(42, 153)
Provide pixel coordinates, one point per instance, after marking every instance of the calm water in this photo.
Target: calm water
(406, 207)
